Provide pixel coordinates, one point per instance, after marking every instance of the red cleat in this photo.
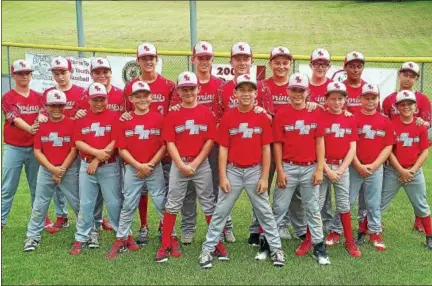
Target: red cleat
(162, 255)
(48, 222)
(175, 247)
(377, 241)
(118, 247)
(106, 225)
(220, 252)
(304, 247)
(332, 239)
(353, 249)
(77, 247)
(418, 225)
(60, 223)
(131, 244)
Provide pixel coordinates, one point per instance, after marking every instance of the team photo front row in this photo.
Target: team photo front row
(208, 140)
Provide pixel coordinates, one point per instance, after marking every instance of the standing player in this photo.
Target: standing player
(408, 75)
(189, 135)
(244, 162)
(354, 66)
(142, 148)
(162, 90)
(373, 148)
(340, 147)
(94, 137)
(56, 153)
(202, 57)
(241, 61)
(409, 154)
(20, 106)
(295, 129)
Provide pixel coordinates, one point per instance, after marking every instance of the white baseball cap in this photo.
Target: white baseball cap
(187, 79)
(298, 80)
(370, 88)
(320, 54)
(336, 86)
(21, 66)
(99, 63)
(140, 86)
(280, 51)
(61, 63)
(354, 56)
(241, 48)
(245, 78)
(405, 95)
(410, 66)
(146, 49)
(55, 96)
(203, 48)
(97, 90)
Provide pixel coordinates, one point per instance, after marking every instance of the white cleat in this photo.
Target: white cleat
(262, 255)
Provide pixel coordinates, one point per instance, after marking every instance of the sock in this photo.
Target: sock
(363, 225)
(260, 229)
(346, 224)
(308, 235)
(427, 224)
(418, 220)
(208, 218)
(142, 208)
(168, 222)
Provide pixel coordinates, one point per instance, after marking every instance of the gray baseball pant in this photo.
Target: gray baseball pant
(341, 190)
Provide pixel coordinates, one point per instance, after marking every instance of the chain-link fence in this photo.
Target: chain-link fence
(177, 62)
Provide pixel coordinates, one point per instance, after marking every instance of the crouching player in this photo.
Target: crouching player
(189, 134)
(58, 172)
(340, 136)
(95, 136)
(141, 146)
(244, 162)
(406, 160)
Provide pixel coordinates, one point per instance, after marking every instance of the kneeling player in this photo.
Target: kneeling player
(409, 154)
(244, 162)
(56, 153)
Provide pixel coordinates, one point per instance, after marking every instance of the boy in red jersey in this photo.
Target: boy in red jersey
(95, 137)
(21, 107)
(409, 154)
(354, 65)
(56, 153)
(189, 135)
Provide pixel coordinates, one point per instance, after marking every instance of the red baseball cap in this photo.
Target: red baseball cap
(21, 66)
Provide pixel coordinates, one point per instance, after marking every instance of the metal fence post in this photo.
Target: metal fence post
(293, 66)
(188, 63)
(422, 78)
(80, 26)
(9, 64)
(193, 27)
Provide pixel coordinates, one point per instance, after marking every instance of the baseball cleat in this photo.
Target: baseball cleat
(94, 240)
(30, 244)
(284, 233)
(187, 237)
(320, 254)
(206, 260)
(352, 249)
(429, 242)
(131, 244)
(229, 235)
(254, 239)
(220, 252)
(118, 247)
(377, 241)
(418, 225)
(162, 255)
(304, 247)
(48, 222)
(264, 251)
(332, 238)
(60, 223)
(143, 236)
(106, 224)
(175, 247)
(77, 247)
(361, 237)
(278, 257)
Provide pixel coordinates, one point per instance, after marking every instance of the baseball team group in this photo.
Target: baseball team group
(206, 139)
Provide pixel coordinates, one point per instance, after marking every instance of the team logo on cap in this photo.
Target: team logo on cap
(406, 94)
(246, 77)
(370, 86)
(56, 95)
(97, 88)
(281, 50)
(99, 61)
(140, 84)
(336, 85)
(298, 79)
(320, 53)
(146, 48)
(241, 48)
(355, 55)
(57, 62)
(22, 64)
(410, 65)
(204, 47)
(186, 77)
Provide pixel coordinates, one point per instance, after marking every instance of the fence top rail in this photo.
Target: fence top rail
(217, 54)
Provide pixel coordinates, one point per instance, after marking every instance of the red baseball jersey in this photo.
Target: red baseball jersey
(115, 101)
(297, 130)
(317, 92)
(73, 96)
(226, 100)
(423, 106)
(375, 132)
(141, 136)
(411, 140)
(339, 132)
(55, 140)
(161, 89)
(206, 95)
(14, 105)
(189, 129)
(279, 94)
(97, 130)
(244, 134)
(353, 99)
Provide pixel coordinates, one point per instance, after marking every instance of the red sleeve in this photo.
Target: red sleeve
(389, 138)
(77, 131)
(37, 142)
(175, 98)
(171, 86)
(278, 128)
(424, 140)
(211, 126)
(386, 109)
(115, 129)
(267, 135)
(354, 133)
(426, 110)
(218, 105)
(121, 138)
(10, 109)
(168, 133)
(267, 100)
(319, 131)
(223, 136)
(161, 127)
(83, 101)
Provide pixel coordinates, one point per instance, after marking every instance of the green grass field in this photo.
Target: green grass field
(376, 29)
